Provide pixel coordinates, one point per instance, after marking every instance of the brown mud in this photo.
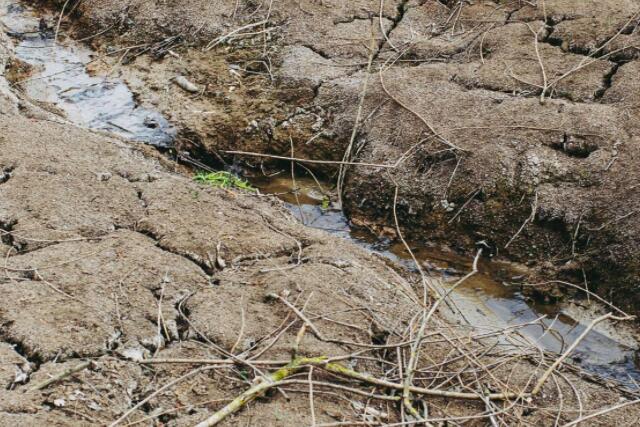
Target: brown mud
(113, 257)
(516, 123)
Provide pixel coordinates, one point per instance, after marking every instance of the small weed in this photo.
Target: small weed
(223, 179)
(326, 202)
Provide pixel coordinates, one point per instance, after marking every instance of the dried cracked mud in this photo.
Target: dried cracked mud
(110, 255)
(453, 99)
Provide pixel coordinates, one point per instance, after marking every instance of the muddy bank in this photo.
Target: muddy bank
(551, 184)
(102, 242)
(111, 257)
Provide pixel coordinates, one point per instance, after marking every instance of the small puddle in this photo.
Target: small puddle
(484, 300)
(60, 77)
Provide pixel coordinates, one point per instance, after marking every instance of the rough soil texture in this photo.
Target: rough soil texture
(472, 71)
(110, 256)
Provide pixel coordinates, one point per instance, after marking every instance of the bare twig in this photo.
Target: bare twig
(82, 366)
(530, 218)
(213, 43)
(311, 161)
(545, 83)
(157, 392)
(64, 7)
(356, 125)
(572, 347)
(601, 412)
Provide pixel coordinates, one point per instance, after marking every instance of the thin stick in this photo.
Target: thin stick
(311, 404)
(426, 284)
(572, 347)
(295, 185)
(601, 412)
(55, 37)
(302, 317)
(241, 333)
(382, 30)
(588, 292)
(530, 218)
(317, 162)
(345, 388)
(225, 362)
(215, 42)
(415, 113)
(60, 376)
(157, 392)
(545, 84)
(415, 348)
(356, 126)
(338, 369)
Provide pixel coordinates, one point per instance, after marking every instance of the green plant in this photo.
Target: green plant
(326, 202)
(222, 179)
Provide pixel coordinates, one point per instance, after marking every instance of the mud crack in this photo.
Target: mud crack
(607, 80)
(6, 234)
(395, 21)
(203, 265)
(317, 51)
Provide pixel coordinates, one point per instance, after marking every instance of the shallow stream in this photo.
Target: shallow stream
(485, 301)
(60, 76)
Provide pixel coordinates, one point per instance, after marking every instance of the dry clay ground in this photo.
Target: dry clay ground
(110, 257)
(514, 122)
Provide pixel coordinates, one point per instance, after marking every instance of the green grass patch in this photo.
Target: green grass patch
(222, 179)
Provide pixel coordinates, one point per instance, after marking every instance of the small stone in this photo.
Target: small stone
(103, 176)
(185, 84)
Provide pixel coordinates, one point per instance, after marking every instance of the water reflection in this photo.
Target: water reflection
(60, 77)
(485, 300)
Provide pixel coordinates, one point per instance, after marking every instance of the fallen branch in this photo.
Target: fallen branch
(225, 362)
(572, 347)
(60, 376)
(267, 382)
(277, 378)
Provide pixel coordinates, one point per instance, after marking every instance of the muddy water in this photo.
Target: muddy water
(484, 300)
(60, 76)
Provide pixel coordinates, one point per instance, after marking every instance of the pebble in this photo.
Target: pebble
(185, 84)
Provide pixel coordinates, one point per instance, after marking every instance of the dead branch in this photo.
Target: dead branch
(572, 347)
(64, 374)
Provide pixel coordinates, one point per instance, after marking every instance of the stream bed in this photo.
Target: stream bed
(60, 76)
(485, 301)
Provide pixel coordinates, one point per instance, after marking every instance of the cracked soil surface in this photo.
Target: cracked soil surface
(110, 254)
(467, 75)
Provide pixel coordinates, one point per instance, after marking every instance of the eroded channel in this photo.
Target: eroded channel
(485, 301)
(60, 75)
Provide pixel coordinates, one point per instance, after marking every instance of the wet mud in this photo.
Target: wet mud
(491, 297)
(112, 256)
(59, 74)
